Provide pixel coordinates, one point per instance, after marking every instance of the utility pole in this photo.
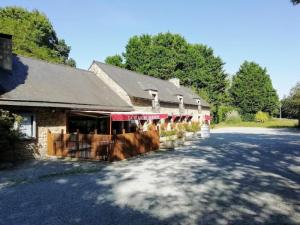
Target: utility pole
(280, 115)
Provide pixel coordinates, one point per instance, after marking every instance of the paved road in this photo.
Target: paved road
(238, 176)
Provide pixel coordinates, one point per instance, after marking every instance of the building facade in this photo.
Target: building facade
(46, 94)
(149, 94)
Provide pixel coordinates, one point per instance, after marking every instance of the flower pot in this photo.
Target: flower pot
(169, 144)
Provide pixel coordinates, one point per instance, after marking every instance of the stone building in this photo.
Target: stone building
(149, 94)
(45, 95)
(103, 100)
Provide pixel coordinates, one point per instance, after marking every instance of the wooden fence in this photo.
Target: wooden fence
(102, 147)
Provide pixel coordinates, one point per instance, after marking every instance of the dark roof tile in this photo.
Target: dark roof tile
(136, 85)
(48, 84)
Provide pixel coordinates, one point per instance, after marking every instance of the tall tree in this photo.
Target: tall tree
(295, 2)
(168, 55)
(252, 90)
(291, 104)
(115, 60)
(159, 55)
(34, 35)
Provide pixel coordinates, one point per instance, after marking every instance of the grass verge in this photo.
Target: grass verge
(273, 123)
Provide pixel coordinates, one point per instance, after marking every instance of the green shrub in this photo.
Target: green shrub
(186, 127)
(180, 134)
(167, 133)
(195, 126)
(233, 117)
(248, 117)
(222, 111)
(10, 137)
(261, 117)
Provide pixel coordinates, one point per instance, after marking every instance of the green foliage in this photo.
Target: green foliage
(180, 133)
(34, 35)
(261, 117)
(272, 123)
(168, 55)
(233, 117)
(252, 90)
(223, 110)
(167, 133)
(115, 60)
(295, 2)
(194, 127)
(248, 117)
(10, 137)
(291, 103)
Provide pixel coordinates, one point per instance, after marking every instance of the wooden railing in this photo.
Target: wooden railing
(102, 147)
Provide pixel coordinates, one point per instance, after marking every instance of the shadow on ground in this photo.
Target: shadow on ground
(231, 178)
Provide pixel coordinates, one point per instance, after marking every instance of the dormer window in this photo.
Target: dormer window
(155, 102)
(199, 105)
(181, 105)
(180, 98)
(154, 95)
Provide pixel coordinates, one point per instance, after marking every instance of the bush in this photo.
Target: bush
(195, 126)
(248, 117)
(233, 117)
(180, 134)
(167, 133)
(222, 111)
(261, 117)
(10, 137)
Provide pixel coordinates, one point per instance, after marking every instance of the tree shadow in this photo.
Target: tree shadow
(227, 179)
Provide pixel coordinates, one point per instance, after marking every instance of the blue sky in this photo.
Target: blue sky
(264, 31)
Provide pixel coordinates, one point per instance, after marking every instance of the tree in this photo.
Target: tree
(252, 90)
(295, 2)
(291, 104)
(10, 137)
(115, 60)
(34, 35)
(159, 56)
(168, 55)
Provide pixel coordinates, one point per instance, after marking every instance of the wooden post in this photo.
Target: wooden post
(110, 126)
(93, 145)
(62, 145)
(77, 144)
(50, 143)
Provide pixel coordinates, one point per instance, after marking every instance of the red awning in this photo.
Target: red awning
(126, 116)
(137, 116)
(207, 117)
(181, 116)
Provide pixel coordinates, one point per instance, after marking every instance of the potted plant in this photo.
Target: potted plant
(168, 139)
(180, 137)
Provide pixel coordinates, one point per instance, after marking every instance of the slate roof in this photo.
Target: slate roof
(137, 85)
(34, 82)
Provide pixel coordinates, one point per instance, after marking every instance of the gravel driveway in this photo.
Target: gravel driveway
(238, 176)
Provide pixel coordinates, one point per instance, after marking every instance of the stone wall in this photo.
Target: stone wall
(110, 82)
(47, 119)
(144, 105)
(53, 119)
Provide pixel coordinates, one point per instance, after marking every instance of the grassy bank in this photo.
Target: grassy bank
(273, 123)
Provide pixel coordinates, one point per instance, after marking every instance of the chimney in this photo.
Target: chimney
(6, 52)
(175, 81)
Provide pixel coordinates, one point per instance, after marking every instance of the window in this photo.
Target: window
(27, 126)
(180, 98)
(154, 95)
